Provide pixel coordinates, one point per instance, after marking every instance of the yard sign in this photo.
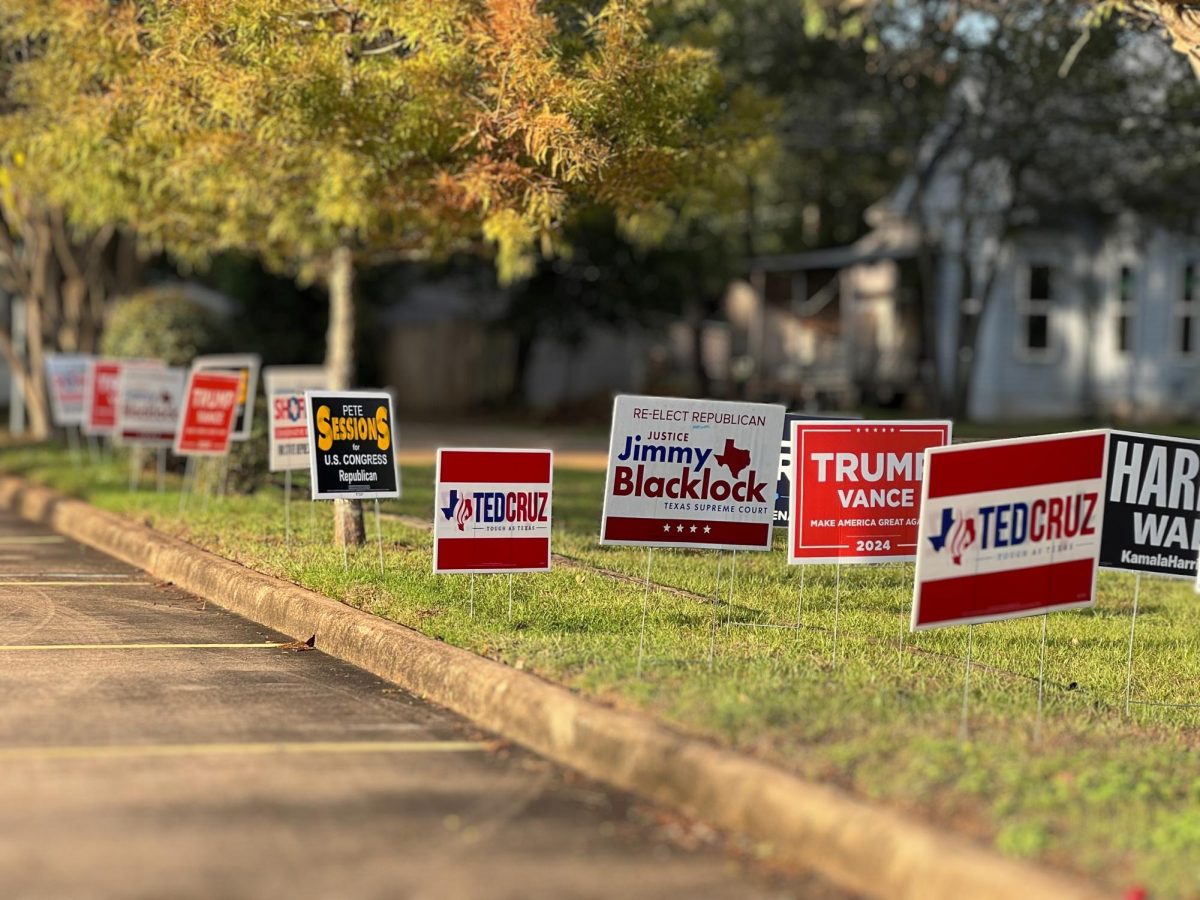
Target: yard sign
(101, 384)
(245, 366)
(783, 491)
(66, 377)
(691, 473)
(1010, 528)
(206, 419)
(857, 489)
(287, 417)
(353, 445)
(492, 511)
(1151, 522)
(148, 402)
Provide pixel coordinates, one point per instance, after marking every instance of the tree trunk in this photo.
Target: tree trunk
(339, 364)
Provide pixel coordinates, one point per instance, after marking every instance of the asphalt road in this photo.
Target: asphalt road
(221, 765)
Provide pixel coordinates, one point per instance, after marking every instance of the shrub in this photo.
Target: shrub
(169, 322)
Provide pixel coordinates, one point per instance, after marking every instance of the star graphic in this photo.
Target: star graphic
(666, 527)
(707, 529)
(679, 528)
(693, 529)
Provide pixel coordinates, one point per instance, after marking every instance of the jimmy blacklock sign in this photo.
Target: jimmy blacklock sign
(691, 473)
(1010, 528)
(353, 452)
(1151, 518)
(492, 511)
(857, 488)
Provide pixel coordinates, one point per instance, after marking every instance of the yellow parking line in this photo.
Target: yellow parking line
(14, 648)
(4, 583)
(134, 751)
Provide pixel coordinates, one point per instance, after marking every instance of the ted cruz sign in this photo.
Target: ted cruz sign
(353, 445)
(856, 489)
(1010, 528)
(492, 511)
(691, 473)
(1152, 515)
(206, 420)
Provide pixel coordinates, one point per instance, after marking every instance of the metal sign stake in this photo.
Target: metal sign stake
(837, 604)
(712, 629)
(1037, 731)
(964, 731)
(1137, 591)
(645, 607)
(379, 534)
(287, 508)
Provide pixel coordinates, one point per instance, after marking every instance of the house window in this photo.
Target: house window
(1034, 312)
(1125, 309)
(1187, 312)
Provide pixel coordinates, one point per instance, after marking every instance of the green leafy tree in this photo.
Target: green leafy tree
(322, 135)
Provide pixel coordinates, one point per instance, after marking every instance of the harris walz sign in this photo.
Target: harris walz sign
(1151, 520)
(353, 449)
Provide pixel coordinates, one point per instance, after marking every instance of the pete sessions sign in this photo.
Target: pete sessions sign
(856, 489)
(353, 452)
(1010, 528)
(691, 473)
(1152, 516)
(493, 511)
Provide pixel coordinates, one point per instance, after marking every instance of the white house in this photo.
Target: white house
(1091, 317)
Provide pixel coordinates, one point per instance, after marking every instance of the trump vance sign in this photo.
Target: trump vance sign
(206, 420)
(691, 473)
(1010, 528)
(856, 489)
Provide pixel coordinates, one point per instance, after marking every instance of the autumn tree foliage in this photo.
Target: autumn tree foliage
(322, 135)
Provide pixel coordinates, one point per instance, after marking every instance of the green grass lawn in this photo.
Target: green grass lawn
(1115, 798)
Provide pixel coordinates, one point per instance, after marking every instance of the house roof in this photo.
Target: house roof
(897, 239)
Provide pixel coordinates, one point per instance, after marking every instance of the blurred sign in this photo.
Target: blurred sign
(857, 488)
(492, 512)
(1151, 521)
(101, 383)
(66, 378)
(783, 491)
(1010, 528)
(210, 402)
(288, 420)
(353, 445)
(245, 366)
(691, 473)
(148, 402)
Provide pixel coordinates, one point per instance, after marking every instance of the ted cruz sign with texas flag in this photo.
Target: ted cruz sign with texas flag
(1010, 528)
(857, 488)
(691, 473)
(493, 511)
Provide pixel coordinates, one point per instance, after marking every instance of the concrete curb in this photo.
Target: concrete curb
(861, 847)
